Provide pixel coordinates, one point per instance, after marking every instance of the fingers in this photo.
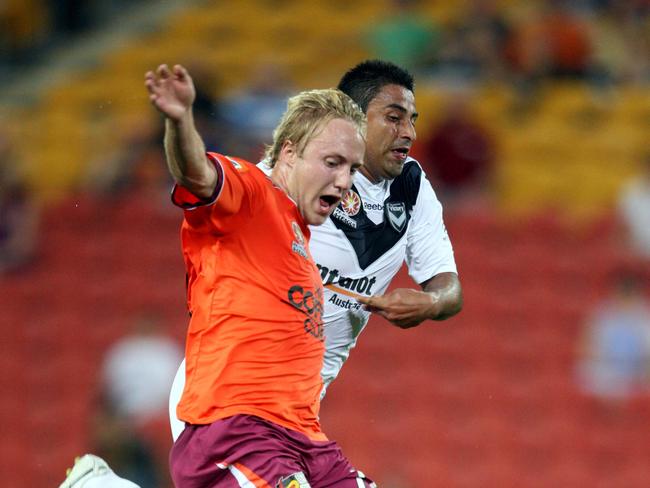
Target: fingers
(394, 308)
(150, 79)
(377, 301)
(405, 324)
(364, 300)
(371, 304)
(156, 81)
(378, 304)
(180, 72)
(150, 83)
(163, 72)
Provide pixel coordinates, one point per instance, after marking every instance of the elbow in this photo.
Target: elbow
(447, 288)
(196, 174)
(200, 189)
(201, 185)
(457, 304)
(452, 307)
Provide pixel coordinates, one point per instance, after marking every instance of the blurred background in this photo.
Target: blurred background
(534, 130)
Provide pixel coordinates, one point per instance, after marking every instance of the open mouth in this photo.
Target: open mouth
(328, 202)
(400, 152)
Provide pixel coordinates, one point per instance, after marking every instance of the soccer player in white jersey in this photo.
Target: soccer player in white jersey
(390, 216)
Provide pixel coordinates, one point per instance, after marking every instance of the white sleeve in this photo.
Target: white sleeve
(428, 248)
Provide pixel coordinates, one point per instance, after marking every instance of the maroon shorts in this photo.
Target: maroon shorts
(247, 451)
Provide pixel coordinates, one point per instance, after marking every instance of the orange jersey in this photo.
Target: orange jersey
(255, 340)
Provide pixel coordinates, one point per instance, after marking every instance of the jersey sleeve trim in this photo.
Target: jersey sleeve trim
(183, 198)
(429, 251)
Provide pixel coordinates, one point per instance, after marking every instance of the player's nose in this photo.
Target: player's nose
(408, 131)
(343, 179)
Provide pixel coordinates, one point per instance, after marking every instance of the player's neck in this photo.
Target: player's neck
(370, 176)
(280, 177)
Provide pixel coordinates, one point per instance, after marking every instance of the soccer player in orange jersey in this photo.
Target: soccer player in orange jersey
(255, 341)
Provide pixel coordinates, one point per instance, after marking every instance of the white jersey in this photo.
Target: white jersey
(362, 246)
(360, 249)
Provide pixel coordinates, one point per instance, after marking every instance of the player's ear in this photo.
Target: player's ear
(288, 153)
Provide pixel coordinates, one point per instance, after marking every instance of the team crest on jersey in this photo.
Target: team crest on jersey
(296, 480)
(236, 165)
(298, 245)
(396, 214)
(351, 203)
(297, 232)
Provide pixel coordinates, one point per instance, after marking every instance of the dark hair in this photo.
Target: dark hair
(363, 82)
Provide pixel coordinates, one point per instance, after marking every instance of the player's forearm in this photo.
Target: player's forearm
(186, 159)
(447, 295)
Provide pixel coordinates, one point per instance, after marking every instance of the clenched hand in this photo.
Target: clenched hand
(404, 307)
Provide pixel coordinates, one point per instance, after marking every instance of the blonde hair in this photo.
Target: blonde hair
(306, 113)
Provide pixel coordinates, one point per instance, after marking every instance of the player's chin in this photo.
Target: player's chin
(321, 210)
(394, 168)
(316, 218)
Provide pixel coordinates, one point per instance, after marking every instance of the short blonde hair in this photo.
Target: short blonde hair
(306, 113)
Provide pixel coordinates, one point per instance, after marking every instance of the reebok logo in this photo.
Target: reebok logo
(373, 206)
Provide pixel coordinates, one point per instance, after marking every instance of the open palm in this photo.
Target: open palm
(171, 91)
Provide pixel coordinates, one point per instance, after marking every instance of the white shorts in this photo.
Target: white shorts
(175, 394)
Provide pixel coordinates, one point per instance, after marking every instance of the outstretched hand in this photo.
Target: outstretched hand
(404, 307)
(172, 91)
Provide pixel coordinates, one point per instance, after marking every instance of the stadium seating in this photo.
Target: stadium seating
(573, 134)
(484, 400)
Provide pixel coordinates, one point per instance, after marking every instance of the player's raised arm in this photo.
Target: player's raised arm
(172, 92)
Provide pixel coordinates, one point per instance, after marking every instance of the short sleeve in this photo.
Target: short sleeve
(428, 248)
(185, 199)
(236, 191)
